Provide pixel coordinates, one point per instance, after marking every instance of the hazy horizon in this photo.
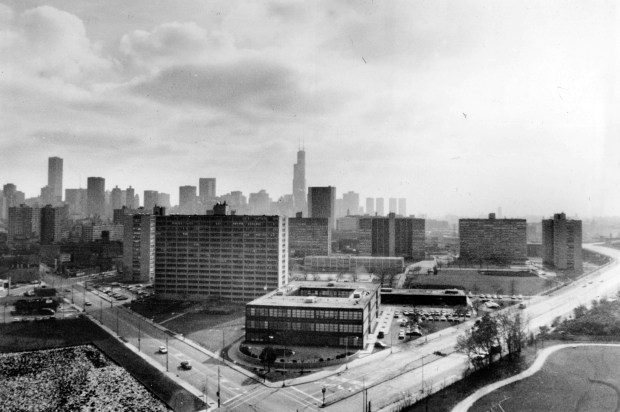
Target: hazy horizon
(460, 107)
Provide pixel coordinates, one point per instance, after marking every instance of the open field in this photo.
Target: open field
(580, 379)
(471, 280)
(72, 378)
(44, 335)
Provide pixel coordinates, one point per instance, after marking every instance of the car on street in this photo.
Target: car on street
(186, 365)
(380, 335)
(380, 345)
(87, 303)
(162, 349)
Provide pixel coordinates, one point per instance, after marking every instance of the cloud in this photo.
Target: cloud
(50, 43)
(248, 87)
(174, 42)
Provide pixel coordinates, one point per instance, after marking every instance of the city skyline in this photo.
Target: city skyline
(458, 108)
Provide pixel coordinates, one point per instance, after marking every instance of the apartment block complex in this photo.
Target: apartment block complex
(309, 236)
(392, 236)
(229, 257)
(562, 243)
(500, 241)
(314, 313)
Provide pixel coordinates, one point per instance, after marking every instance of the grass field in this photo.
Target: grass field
(471, 280)
(581, 379)
(44, 335)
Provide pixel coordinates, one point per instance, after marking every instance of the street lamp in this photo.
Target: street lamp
(323, 390)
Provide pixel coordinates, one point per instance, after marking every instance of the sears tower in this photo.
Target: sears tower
(299, 182)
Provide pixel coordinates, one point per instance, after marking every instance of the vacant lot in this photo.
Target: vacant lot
(471, 280)
(576, 379)
(57, 334)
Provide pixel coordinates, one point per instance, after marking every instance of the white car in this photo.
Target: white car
(163, 349)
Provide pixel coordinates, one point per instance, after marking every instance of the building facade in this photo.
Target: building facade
(370, 206)
(51, 224)
(392, 236)
(380, 207)
(314, 313)
(95, 195)
(309, 236)
(299, 183)
(322, 203)
(228, 257)
(500, 241)
(151, 197)
(187, 200)
(139, 247)
(54, 177)
(354, 264)
(562, 243)
(24, 225)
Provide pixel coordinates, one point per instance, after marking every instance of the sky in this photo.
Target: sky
(459, 106)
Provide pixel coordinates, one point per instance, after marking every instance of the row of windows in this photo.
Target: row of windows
(303, 326)
(305, 313)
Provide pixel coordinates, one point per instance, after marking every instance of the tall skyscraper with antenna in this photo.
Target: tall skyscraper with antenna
(299, 182)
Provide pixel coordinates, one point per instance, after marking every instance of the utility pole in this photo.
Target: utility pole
(139, 335)
(218, 387)
(167, 368)
(72, 288)
(101, 311)
(117, 320)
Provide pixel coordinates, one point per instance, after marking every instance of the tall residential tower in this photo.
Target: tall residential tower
(54, 177)
(299, 182)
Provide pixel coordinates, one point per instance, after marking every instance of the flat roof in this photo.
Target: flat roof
(285, 296)
(427, 292)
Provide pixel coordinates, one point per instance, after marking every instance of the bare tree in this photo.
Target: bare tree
(512, 329)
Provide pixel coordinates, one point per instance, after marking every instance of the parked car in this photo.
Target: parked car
(87, 303)
(380, 345)
(380, 335)
(186, 365)
(163, 349)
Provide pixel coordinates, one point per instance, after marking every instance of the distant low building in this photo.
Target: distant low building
(354, 264)
(392, 236)
(309, 236)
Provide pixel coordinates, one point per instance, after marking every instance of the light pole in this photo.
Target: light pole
(101, 311)
(323, 390)
(139, 332)
(218, 387)
(167, 369)
(117, 320)
(346, 353)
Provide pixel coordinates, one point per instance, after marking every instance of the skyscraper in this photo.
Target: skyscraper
(402, 206)
(370, 206)
(351, 203)
(187, 200)
(380, 207)
(392, 205)
(392, 236)
(299, 182)
(130, 198)
(206, 189)
(77, 201)
(54, 177)
(116, 198)
(322, 203)
(24, 224)
(95, 194)
(163, 199)
(150, 199)
(51, 219)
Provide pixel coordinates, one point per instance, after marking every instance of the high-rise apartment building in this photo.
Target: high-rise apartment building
(309, 236)
(402, 206)
(150, 199)
(562, 243)
(51, 224)
(54, 177)
(24, 224)
(500, 241)
(299, 182)
(95, 194)
(392, 236)
(187, 200)
(130, 198)
(139, 247)
(322, 203)
(9, 192)
(370, 206)
(229, 257)
(380, 205)
(351, 203)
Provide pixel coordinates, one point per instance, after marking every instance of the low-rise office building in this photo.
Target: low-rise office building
(314, 313)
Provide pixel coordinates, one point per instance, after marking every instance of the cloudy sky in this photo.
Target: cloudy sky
(459, 106)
